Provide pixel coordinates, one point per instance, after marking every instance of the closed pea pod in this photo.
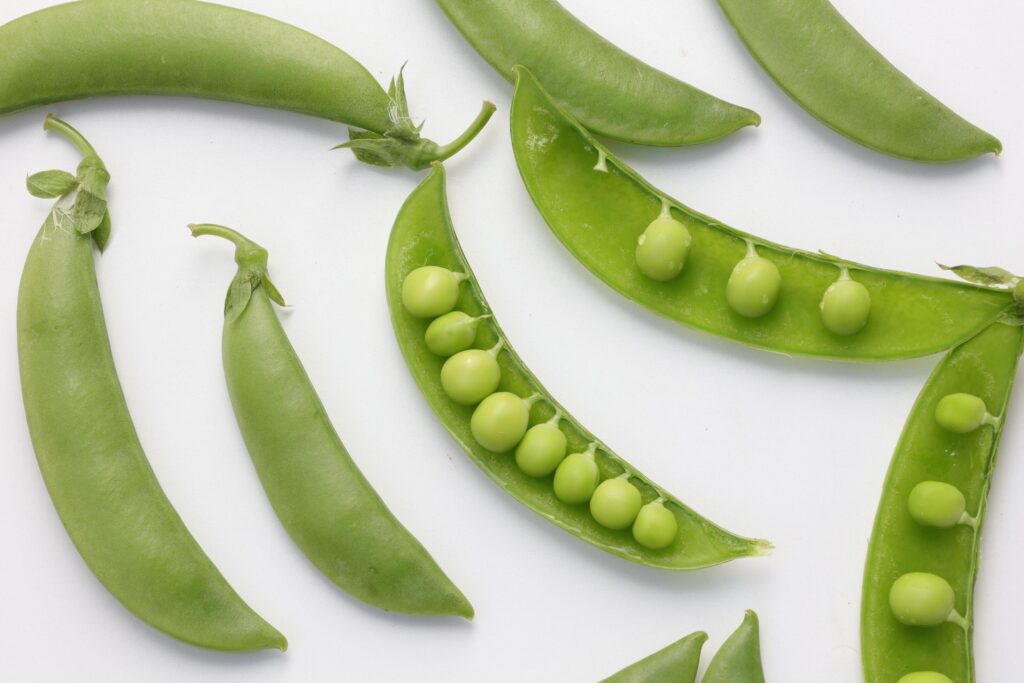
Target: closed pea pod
(677, 662)
(739, 658)
(423, 236)
(95, 470)
(324, 502)
(598, 215)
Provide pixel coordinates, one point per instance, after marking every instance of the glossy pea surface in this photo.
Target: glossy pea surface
(984, 366)
(753, 287)
(960, 413)
(430, 291)
(662, 248)
(615, 503)
(500, 421)
(470, 376)
(655, 526)
(937, 504)
(598, 216)
(921, 599)
(848, 85)
(845, 307)
(451, 333)
(576, 479)
(423, 235)
(541, 450)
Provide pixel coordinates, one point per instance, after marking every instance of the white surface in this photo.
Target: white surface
(788, 449)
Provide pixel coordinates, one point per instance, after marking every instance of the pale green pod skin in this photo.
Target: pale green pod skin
(541, 450)
(925, 677)
(961, 413)
(598, 215)
(326, 505)
(739, 658)
(830, 70)
(615, 504)
(753, 286)
(95, 470)
(612, 93)
(845, 307)
(922, 599)
(677, 663)
(451, 333)
(662, 249)
(423, 235)
(937, 504)
(984, 366)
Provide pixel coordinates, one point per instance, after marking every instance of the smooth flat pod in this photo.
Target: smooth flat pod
(609, 91)
(984, 367)
(88, 451)
(597, 206)
(828, 68)
(423, 235)
(93, 48)
(739, 658)
(677, 663)
(325, 503)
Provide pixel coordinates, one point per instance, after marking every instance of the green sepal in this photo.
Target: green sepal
(101, 235)
(88, 211)
(50, 184)
(240, 294)
(93, 176)
(272, 290)
(991, 276)
(402, 126)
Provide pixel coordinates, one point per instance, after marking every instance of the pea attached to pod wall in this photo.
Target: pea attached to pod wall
(937, 504)
(753, 286)
(963, 413)
(451, 333)
(846, 305)
(925, 677)
(472, 375)
(662, 248)
(923, 599)
(522, 416)
(431, 291)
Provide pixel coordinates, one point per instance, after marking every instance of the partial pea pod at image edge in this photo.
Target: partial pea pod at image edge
(827, 67)
(94, 48)
(599, 208)
(424, 236)
(930, 536)
(326, 504)
(89, 454)
(611, 92)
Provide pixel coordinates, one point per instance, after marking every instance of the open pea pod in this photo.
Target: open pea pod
(917, 601)
(599, 208)
(423, 236)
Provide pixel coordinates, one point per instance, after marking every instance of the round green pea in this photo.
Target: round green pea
(753, 287)
(615, 503)
(925, 677)
(470, 376)
(655, 527)
(661, 251)
(541, 450)
(936, 503)
(430, 291)
(960, 413)
(921, 599)
(845, 307)
(576, 478)
(451, 333)
(500, 421)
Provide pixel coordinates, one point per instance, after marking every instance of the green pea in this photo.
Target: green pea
(845, 306)
(577, 477)
(500, 421)
(541, 450)
(1018, 291)
(470, 376)
(661, 251)
(615, 503)
(936, 503)
(451, 333)
(925, 677)
(753, 286)
(922, 599)
(962, 413)
(655, 526)
(430, 291)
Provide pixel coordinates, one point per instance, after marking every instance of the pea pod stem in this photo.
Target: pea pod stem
(53, 123)
(445, 152)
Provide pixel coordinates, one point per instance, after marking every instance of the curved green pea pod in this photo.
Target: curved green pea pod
(598, 215)
(324, 502)
(96, 48)
(98, 477)
(423, 235)
(610, 92)
(848, 85)
(900, 545)
(739, 658)
(677, 663)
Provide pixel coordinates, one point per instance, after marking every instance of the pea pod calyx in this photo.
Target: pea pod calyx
(252, 269)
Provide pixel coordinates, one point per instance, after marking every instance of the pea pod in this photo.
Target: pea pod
(88, 451)
(822, 306)
(612, 93)
(678, 663)
(739, 658)
(423, 237)
(828, 68)
(324, 501)
(94, 48)
(917, 600)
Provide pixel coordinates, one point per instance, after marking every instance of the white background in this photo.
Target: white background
(789, 449)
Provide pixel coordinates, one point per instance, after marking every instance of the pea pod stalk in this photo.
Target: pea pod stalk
(324, 502)
(93, 48)
(89, 454)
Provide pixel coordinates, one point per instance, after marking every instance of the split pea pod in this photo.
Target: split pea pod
(523, 439)
(324, 501)
(610, 92)
(707, 275)
(827, 67)
(88, 451)
(917, 605)
(93, 48)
